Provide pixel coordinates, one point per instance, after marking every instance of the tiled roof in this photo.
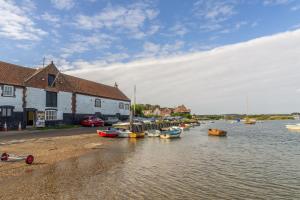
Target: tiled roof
(14, 74)
(95, 89)
(17, 75)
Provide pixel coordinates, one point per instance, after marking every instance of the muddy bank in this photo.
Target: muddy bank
(62, 167)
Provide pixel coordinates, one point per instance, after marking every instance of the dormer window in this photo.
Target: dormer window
(51, 79)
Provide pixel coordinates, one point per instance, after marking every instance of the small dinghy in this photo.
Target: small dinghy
(123, 133)
(110, 132)
(173, 132)
(216, 132)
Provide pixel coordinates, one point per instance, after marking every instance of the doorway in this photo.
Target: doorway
(30, 118)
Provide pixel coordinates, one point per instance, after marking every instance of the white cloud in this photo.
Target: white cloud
(277, 2)
(216, 11)
(52, 19)
(16, 24)
(179, 29)
(63, 4)
(157, 50)
(216, 81)
(121, 19)
(82, 44)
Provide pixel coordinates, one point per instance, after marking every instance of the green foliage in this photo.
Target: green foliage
(138, 109)
(185, 115)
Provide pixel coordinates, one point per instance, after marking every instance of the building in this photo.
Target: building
(182, 110)
(166, 112)
(29, 94)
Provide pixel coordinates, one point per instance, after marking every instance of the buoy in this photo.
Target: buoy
(20, 126)
(5, 126)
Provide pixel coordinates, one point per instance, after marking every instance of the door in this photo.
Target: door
(30, 118)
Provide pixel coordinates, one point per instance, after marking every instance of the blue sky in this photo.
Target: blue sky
(69, 31)
(207, 54)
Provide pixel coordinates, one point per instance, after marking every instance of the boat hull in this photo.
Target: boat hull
(110, 134)
(217, 132)
(136, 135)
(169, 136)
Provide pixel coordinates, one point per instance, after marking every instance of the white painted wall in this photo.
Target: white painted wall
(13, 101)
(36, 98)
(86, 105)
(64, 102)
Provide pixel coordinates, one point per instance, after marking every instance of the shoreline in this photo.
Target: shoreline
(48, 151)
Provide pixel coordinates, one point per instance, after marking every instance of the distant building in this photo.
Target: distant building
(157, 112)
(166, 112)
(182, 109)
(147, 112)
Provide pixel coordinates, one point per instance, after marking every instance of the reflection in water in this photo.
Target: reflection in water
(252, 162)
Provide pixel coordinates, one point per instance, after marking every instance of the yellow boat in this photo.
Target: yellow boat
(250, 121)
(136, 135)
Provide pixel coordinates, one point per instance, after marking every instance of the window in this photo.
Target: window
(6, 112)
(98, 103)
(8, 91)
(121, 105)
(126, 106)
(51, 79)
(51, 115)
(51, 99)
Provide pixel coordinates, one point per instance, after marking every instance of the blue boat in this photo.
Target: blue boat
(173, 132)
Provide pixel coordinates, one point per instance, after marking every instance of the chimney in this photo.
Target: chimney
(116, 85)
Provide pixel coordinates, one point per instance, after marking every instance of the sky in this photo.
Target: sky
(210, 55)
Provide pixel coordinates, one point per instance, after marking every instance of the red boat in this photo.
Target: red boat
(108, 133)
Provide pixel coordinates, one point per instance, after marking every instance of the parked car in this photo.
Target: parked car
(111, 120)
(92, 121)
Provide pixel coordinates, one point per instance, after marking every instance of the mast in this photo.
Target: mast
(134, 97)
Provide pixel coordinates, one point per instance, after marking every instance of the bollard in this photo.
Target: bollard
(5, 126)
(20, 127)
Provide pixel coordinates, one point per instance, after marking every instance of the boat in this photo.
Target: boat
(110, 132)
(250, 121)
(216, 132)
(153, 133)
(247, 119)
(173, 132)
(293, 127)
(137, 135)
(123, 133)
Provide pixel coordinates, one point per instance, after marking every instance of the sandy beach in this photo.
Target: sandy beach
(58, 160)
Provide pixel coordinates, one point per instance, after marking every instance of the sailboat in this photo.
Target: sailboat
(248, 120)
(136, 129)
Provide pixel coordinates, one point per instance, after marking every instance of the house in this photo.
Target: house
(156, 111)
(182, 109)
(29, 94)
(166, 112)
(147, 112)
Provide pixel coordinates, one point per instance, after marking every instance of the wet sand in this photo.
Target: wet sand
(61, 165)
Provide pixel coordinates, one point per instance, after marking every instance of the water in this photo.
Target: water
(259, 161)
(252, 162)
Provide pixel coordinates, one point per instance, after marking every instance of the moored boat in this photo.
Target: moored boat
(173, 132)
(250, 121)
(136, 135)
(108, 133)
(153, 133)
(216, 132)
(293, 127)
(123, 133)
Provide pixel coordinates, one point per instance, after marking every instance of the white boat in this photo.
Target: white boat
(124, 133)
(295, 127)
(153, 133)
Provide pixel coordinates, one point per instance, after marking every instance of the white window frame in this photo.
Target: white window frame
(6, 112)
(50, 115)
(126, 106)
(8, 91)
(98, 103)
(121, 105)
